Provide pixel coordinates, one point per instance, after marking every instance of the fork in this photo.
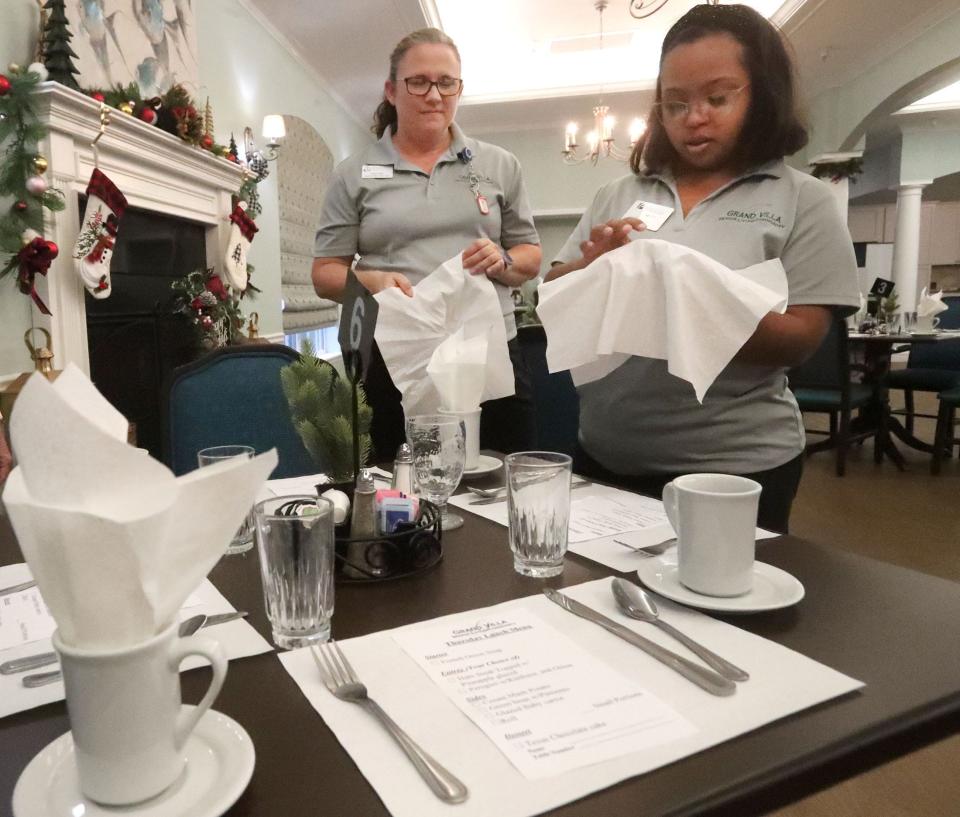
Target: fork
(338, 677)
(649, 550)
(486, 493)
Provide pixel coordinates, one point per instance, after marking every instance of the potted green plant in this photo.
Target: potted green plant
(321, 407)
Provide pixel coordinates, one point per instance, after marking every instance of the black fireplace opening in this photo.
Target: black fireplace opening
(135, 339)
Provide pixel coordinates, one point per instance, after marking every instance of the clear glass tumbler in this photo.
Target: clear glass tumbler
(243, 539)
(439, 449)
(538, 509)
(296, 544)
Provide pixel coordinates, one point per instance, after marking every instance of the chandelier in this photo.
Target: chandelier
(600, 140)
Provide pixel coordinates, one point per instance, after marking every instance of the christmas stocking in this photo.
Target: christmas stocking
(98, 234)
(235, 260)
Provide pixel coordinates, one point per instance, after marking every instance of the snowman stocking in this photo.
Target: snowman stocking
(98, 234)
(235, 259)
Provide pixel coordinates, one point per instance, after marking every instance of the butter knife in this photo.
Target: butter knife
(6, 591)
(42, 659)
(704, 678)
(494, 499)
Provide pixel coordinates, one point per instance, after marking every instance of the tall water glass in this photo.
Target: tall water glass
(243, 539)
(538, 509)
(439, 449)
(296, 544)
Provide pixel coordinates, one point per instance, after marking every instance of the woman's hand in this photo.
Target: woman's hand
(609, 236)
(6, 458)
(376, 281)
(483, 257)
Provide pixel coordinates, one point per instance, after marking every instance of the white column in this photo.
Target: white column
(906, 246)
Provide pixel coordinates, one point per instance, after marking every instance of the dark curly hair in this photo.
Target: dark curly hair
(386, 114)
(773, 127)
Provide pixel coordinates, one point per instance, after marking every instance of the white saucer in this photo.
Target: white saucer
(773, 588)
(486, 465)
(219, 755)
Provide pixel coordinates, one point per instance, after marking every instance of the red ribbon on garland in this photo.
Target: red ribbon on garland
(35, 259)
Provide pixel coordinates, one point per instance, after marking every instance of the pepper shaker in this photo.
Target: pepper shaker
(363, 522)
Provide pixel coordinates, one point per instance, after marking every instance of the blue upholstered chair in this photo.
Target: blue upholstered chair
(557, 403)
(823, 385)
(233, 396)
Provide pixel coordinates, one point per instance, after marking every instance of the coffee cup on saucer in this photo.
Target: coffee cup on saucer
(926, 324)
(715, 519)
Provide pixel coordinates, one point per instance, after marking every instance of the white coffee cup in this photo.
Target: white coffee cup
(128, 725)
(927, 323)
(471, 425)
(715, 519)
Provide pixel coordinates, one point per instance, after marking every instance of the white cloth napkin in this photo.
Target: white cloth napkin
(237, 638)
(409, 331)
(656, 299)
(781, 682)
(114, 540)
(456, 369)
(930, 305)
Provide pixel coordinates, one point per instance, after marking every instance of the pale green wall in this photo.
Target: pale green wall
(929, 154)
(246, 73)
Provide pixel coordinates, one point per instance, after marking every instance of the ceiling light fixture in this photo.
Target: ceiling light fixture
(600, 140)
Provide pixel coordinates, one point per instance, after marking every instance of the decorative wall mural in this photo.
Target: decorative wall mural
(150, 42)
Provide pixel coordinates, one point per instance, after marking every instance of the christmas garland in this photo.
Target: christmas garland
(21, 179)
(213, 311)
(836, 171)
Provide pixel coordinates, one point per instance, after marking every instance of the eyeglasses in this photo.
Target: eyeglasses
(718, 104)
(446, 86)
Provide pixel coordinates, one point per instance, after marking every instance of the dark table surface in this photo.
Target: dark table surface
(894, 629)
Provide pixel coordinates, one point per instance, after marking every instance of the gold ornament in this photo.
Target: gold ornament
(125, 107)
(40, 164)
(13, 68)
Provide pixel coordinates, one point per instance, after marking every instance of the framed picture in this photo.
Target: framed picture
(150, 42)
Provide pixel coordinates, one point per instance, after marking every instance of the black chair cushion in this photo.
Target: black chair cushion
(923, 379)
(830, 400)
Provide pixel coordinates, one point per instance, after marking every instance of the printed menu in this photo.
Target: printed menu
(548, 704)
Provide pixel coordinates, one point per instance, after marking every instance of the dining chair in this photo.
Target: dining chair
(555, 397)
(823, 385)
(944, 438)
(931, 367)
(233, 396)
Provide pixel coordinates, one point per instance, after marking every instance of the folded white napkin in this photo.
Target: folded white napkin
(409, 331)
(656, 299)
(457, 370)
(114, 540)
(930, 305)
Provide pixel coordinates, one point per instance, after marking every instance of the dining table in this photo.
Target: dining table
(892, 628)
(878, 350)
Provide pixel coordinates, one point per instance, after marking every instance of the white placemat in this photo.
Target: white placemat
(782, 682)
(604, 549)
(238, 639)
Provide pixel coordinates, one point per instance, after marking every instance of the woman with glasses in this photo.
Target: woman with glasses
(424, 193)
(724, 118)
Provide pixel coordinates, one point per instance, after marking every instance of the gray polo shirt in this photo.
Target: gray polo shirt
(401, 219)
(640, 419)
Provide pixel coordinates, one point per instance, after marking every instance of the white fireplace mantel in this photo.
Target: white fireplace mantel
(155, 170)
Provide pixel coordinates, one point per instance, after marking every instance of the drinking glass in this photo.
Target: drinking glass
(439, 452)
(243, 538)
(538, 509)
(296, 543)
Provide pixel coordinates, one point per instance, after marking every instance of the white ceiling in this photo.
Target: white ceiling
(348, 42)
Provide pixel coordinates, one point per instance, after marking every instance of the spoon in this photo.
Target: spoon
(486, 493)
(637, 604)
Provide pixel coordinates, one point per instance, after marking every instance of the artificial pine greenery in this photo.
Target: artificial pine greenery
(57, 53)
(321, 408)
(20, 131)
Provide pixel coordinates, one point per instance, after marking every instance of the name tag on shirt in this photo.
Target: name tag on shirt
(651, 214)
(376, 172)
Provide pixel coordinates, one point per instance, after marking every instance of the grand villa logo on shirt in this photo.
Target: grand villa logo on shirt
(750, 216)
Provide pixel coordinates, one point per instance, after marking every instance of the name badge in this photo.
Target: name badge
(651, 214)
(376, 172)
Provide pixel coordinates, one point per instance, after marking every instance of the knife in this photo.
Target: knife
(704, 678)
(42, 659)
(493, 499)
(6, 591)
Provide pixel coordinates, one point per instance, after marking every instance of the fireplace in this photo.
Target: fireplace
(134, 340)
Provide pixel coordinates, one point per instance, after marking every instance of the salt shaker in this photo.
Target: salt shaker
(403, 480)
(363, 524)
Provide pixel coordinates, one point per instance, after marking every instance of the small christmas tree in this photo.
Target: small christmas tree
(57, 53)
(320, 407)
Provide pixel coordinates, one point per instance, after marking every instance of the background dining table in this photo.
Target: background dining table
(894, 629)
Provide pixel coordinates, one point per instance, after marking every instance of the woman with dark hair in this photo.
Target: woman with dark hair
(419, 196)
(723, 119)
